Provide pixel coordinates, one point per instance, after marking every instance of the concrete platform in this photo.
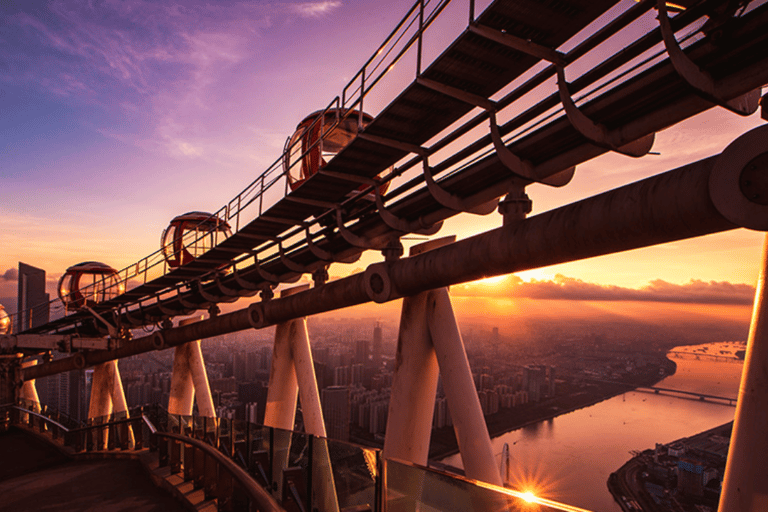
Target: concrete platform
(36, 476)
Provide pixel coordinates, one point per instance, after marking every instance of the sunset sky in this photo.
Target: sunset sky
(115, 116)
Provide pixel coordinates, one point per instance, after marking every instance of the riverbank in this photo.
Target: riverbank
(648, 482)
(573, 398)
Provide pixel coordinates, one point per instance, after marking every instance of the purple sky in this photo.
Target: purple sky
(115, 116)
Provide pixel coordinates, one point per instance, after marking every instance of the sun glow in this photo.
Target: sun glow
(528, 496)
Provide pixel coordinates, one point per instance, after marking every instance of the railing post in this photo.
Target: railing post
(421, 32)
(362, 97)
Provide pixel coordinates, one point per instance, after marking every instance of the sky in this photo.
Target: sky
(116, 116)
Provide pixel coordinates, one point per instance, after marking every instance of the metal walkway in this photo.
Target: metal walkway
(633, 92)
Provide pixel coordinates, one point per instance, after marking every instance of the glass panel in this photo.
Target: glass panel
(412, 487)
(345, 471)
(280, 459)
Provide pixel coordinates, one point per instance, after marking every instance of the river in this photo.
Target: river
(570, 457)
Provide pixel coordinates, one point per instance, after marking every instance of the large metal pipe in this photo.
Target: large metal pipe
(672, 206)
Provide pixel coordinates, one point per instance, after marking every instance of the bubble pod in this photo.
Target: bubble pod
(305, 153)
(5, 321)
(191, 235)
(88, 283)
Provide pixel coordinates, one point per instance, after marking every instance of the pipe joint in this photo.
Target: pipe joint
(738, 184)
(158, 341)
(256, 315)
(378, 285)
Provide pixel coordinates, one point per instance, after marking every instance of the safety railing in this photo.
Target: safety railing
(244, 466)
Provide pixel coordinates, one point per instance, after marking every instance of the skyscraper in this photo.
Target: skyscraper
(377, 340)
(33, 307)
(336, 412)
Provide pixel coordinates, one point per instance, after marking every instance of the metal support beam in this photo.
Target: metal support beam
(672, 206)
(745, 485)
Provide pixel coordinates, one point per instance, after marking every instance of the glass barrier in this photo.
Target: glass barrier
(353, 476)
(301, 471)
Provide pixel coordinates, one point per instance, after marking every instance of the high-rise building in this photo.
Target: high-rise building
(335, 400)
(377, 342)
(33, 308)
(361, 352)
(552, 381)
(533, 380)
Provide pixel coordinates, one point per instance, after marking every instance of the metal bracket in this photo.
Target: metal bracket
(449, 200)
(351, 238)
(319, 253)
(453, 92)
(267, 276)
(393, 221)
(250, 287)
(390, 143)
(110, 328)
(519, 44)
(698, 78)
(597, 133)
(348, 177)
(132, 320)
(207, 296)
(224, 289)
(289, 263)
(523, 168)
(189, 305)
(519, 167)
(167, 311)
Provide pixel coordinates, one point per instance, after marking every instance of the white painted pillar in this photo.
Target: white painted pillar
(101, 391)
(312, 411)
(100, 404)
(189, 379)
(460, 392)
(120, 405)
(745, 485)
(293, 374)
(200, 380)
(414, 386)
(301, 353)
(182, 393)
(28, 389)
(283, 391)
(282, 396)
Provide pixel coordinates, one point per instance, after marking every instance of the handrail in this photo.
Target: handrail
(42, 417)
(263, 499)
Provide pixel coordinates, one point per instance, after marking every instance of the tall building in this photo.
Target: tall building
(33, 308)
(361, 352)
(533, 380)
(336, 411)
(377, 342)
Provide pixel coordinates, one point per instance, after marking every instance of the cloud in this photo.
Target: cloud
(569, 288)
(11, 274)
(314, 9)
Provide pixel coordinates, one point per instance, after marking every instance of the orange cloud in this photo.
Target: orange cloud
(570, 288)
